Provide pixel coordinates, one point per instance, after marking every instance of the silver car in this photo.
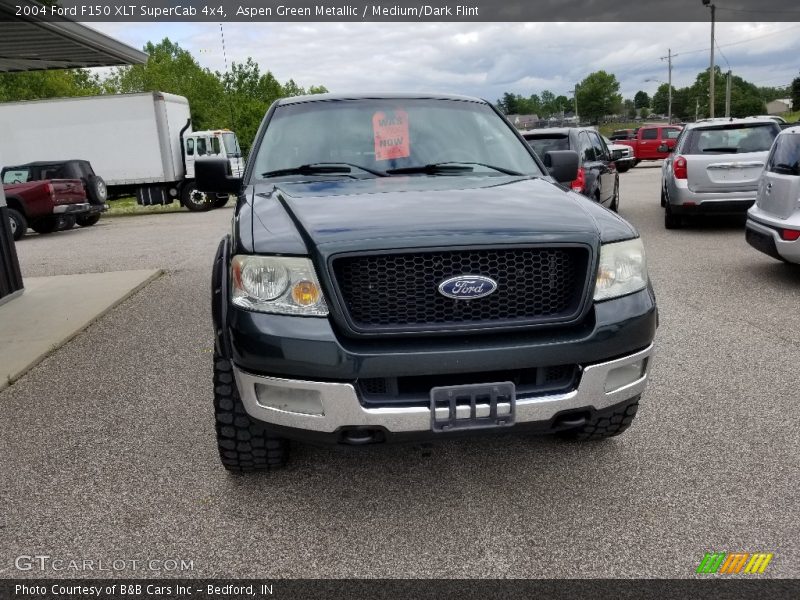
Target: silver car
(773, 224)
(715, 167)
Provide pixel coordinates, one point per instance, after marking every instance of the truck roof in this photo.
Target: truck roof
(154, 95)
(378, 96)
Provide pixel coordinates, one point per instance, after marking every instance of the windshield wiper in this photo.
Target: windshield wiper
(322, 168)
(723, 150)
(448, 167)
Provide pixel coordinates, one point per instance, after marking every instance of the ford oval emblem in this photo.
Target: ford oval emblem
(467, 287)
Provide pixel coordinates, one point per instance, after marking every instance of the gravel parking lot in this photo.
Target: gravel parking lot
(109, 452)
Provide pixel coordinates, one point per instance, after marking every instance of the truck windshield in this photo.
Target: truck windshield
(396, 136)
(231, 145)
(16, 175)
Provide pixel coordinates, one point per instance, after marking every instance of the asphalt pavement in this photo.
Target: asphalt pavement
(108, 449)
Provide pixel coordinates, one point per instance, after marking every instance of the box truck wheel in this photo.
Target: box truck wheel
(220, 201)
(195, 200)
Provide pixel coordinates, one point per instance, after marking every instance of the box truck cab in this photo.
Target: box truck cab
(140, 144)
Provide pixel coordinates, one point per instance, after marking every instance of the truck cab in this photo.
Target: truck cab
(218, 143)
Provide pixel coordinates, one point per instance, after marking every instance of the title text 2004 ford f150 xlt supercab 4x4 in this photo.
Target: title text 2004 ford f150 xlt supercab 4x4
(404, 267)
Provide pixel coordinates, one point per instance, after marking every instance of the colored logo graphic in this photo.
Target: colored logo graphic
(730, 563)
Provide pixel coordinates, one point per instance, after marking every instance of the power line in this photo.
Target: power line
(723, 55)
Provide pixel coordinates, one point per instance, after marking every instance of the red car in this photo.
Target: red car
(39, 204)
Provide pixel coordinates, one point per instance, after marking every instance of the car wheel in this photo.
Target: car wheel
(45, 225)
(88, 220)
(671, 220)
(195, 200)
(19, 225)
(221, 201)
(663, 197)
(243, 444)
(605, 424)
(615, 198)
(66, 222)
(96, 190)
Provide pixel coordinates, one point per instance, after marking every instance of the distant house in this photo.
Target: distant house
(779, 107)
(524, 121)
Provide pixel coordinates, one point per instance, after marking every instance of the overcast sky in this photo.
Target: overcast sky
(482, 59)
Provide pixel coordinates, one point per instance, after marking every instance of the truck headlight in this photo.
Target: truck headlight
(277, 284)
(622, 269)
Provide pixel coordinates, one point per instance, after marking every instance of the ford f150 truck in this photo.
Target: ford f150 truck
(404, 267)
(38, 204)
(652, 142)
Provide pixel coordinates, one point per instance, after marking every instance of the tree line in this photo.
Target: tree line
(237, 99)
(598, 98)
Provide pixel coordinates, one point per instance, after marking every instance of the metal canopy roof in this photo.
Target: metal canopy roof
(28, 45)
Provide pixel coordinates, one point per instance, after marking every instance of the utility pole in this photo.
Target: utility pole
(696, 109)
(577, 119)
(711, 68)
(728, 96)
(669, 82)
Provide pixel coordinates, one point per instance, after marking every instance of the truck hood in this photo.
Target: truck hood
(345, 214)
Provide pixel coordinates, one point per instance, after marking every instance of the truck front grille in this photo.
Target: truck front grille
(399, 292)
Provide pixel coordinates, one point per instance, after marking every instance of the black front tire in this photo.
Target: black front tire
(45, 225)
(243, 444)
(195, 200)
(88, 220)
(18, 222)
(605, 424)
(615, 199)
(66, 222)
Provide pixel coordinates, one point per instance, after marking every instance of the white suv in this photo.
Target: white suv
(773, 223)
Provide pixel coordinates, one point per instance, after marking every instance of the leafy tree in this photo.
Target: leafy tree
(33, 85)
(629, 109)
(641, 99)
(598, 95)
(794, 89)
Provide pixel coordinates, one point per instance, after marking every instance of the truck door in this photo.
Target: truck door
(189, 143)
(648, 144)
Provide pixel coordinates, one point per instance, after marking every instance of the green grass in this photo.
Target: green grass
(792, 117)
(127, 207)
(607, 129)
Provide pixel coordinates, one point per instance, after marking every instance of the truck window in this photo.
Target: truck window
(16, 176)
(215, 145)
(650, 134)
(190, 146)
(201, 147)
(670, 134)
(231, 145)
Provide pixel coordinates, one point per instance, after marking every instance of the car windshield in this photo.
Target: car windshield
(373, 137)
(16, 175)
(543, 144)
(731, 139)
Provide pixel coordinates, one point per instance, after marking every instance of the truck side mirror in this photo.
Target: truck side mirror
(214, 175)
(664, 148)
(562, 165)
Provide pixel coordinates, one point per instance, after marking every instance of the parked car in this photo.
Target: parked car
(773, 224)
(624, 134)
(414, 271)
(622, 155)
(39, 204)
(653, 142)
(597, 174)
(95, 187)
(715, 168)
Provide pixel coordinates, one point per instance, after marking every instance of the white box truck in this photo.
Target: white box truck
(140, 144)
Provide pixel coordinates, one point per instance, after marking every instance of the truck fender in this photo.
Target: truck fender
(16, 204)
(219, 297)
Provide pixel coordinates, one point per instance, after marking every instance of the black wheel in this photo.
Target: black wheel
(671, 220)
(18, 222)
(663, 197)
(243, 444)
(221, 201)
(195, 200)
(88, 220)
(66, 222)
(96, 190)
(615, 198)
(605, 424)
(45, 225)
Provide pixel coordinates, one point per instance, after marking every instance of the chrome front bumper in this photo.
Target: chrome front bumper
(341, 407)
